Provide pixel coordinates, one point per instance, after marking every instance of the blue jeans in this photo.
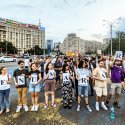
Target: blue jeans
(4, 94)
(83, 90)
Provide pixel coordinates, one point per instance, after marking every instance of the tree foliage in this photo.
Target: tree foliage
(115, 43)
(10, 48)
(36, 50)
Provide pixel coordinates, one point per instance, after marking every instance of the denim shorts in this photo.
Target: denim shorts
(34, 88)
(83, 90)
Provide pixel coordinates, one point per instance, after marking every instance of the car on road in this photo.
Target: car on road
(7, 59)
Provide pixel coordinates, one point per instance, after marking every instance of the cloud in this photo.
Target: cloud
(97, 36)
(21, 6)
(89, 2)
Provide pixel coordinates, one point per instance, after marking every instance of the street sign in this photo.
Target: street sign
(118, 55)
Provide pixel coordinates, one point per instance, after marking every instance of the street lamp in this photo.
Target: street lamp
(6, 48)
(34, 50)
(111, 25)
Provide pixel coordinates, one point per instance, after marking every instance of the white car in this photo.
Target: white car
(7, 59)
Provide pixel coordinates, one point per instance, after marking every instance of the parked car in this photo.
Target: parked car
(7, 59)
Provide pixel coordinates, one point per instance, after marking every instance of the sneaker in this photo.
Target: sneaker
(7, 110)
(36, 107)
(124, 90)
(1, 112)
(82, 95)
(78, 108)
(25, 108)
(116, 104)
(33, 108)
(18, 109)
(45, 106)
(89, 109)
(97, 107)
(104, 107)
(53, 105)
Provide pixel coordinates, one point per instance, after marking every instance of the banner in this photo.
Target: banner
(23, 24)
(70, 54)
(15, 23)
(9, 21)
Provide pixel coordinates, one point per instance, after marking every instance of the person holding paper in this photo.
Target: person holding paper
(5, 80)
(117, 77)
(83, 76)
(20, 81)
(34, 85)
(99, 75)
(49, 77)
(66, 86)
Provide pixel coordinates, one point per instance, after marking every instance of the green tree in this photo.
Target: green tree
(36, 50)
(115, 43)
(10, 48)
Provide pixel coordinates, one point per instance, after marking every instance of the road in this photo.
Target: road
(60, 116)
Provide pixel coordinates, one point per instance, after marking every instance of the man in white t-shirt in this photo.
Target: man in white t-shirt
(99, 74)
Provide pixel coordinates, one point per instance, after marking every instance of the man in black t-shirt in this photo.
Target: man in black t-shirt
(20, 81)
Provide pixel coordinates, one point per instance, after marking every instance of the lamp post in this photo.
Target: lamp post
(6, 48)
(111, 26)
(34, 50)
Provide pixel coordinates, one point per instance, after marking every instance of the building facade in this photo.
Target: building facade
(22, 36)
(72, 43)
(76, 44)
(49, 45)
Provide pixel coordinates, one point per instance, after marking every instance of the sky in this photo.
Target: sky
(61, 17)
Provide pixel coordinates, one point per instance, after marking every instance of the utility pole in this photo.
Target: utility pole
(111, 25)
(6, 48)
(119, 40)
(111, 37)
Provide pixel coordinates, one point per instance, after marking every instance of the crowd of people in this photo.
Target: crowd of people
(75, 76)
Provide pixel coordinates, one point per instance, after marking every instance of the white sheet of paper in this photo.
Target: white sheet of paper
(102, 75)
(118, 55)
(65, 77)
(3, 83)
(83, 80)
(34, 78)
(21, 80)
(51, 74)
